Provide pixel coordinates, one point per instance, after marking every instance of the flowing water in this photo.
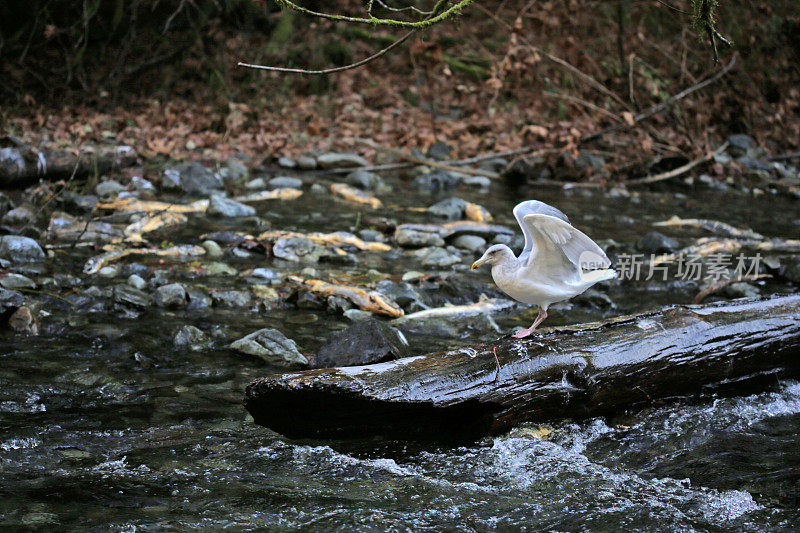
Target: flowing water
(104, 425)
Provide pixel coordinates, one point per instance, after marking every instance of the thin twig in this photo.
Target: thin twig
(555, 59)
(657, 108)
(584, 103)
(673, 7)
(364, 61)
(680, 170)
(422, 161)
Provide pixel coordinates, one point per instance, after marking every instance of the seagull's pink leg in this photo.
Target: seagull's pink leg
(525, 332)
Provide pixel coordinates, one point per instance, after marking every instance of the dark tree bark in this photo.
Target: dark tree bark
(22, 164)
(579, 371)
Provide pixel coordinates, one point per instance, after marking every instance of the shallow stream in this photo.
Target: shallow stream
(105, 425)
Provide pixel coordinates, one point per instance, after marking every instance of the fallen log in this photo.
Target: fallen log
(21, 164)
(576, 371)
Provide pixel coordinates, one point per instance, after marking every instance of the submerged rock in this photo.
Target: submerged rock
(108, 188)
(230, 298)
(298, 249)
(128, 295)
(213, 250)
(438, 257)
(24, 214)
(411, 238)
(19, 249)
(137, 282)
(439, 180)
(16, 281)
(657, 243)
(171, 295)
(24, 321)
(473, 243)
(365, 342)
(364, 180)
(192, 338)
(272, 346)
(341, 160)
(448, 209)
(192, 177)
(285, 182)
(224, 207)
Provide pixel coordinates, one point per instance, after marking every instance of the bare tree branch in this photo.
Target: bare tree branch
(364, 61)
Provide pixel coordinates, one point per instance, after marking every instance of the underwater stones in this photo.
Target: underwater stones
(298, 249)
(411, 238)
(365, 342)
(272, 346)
(657, 243)
(448, 209)
(19, 249)
(170, 295)
(341, 160)
(192, 338)
(224, 207)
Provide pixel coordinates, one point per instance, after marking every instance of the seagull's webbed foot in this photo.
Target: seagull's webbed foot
(521, 334)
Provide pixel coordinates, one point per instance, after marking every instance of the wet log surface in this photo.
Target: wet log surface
(577, 371)
(22, 164)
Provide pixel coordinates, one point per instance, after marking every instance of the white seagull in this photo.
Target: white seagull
(557, 263)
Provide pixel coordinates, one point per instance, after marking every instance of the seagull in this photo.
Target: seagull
(557, 263)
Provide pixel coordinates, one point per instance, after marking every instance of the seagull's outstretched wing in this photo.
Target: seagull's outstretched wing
(534, 207)
(560, 250)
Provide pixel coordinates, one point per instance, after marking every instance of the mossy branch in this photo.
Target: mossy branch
(439, 13)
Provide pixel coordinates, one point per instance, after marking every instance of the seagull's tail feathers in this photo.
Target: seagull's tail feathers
(596, 276)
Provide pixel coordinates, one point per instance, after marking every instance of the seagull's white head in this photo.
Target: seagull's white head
(495, 255)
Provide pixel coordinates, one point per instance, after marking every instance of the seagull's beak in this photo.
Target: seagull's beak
(477, 263)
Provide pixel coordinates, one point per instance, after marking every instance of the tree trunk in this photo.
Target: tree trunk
(577, 371)
(22, 164)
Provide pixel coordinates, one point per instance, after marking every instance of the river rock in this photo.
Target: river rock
(20, 216)
(306, 162)
(272, 346)
(110, 271)
(740, 143)
(411, 238)
(341, 160)
(171, 295)
(438, 257)
(192, 338)
(193, 178)
(448, 209)
(137, 282)
(19, 249)
(473, 243)
(440, 151)
(10, 301)
(16, 281)
(213, 250)
(404, 294)
(128, 295)
(257, 184)
(298, 249)
(285, 182)
(224, 207)
(439, 180)
(287, 162)
(217, 268)
(371, 235)
(657, 243)
(108, 188)
(23, 321)
(338, 305)
(234, 169)
(365, 342)
(364, 180)
(142, 185)
(235, 299)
